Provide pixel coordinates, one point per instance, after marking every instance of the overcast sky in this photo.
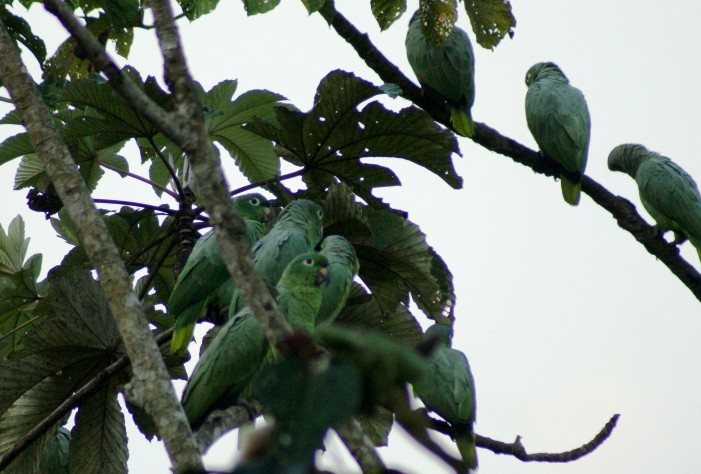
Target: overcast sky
(565, 318)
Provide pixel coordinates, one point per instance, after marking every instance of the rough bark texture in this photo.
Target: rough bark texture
(361, 447)
(151, 382)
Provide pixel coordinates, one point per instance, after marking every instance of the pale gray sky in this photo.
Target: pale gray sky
(565, 318)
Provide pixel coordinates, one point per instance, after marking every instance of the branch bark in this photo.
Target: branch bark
(360, 447)
(620, 208)
(150, 380)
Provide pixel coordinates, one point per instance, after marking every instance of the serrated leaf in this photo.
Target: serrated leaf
(120, 13)
(253, 154)
(41, 456)
(99, 437)
(194, 9)
(63, 225)
(437, 19)
(491, 20)
(254, 7)
(20, 31)
(13, 247)
(329, 140)
(15, 146)
(387, 11)
(65, 61)
(30, 172)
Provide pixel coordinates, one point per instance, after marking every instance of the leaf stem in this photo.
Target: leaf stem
(169, 167)
(171, 212)
(139, 178)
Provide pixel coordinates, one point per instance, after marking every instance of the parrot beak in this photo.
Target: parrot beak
(267, 212)
(323, 276)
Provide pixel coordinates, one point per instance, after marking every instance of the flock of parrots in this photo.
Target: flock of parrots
(311, 287)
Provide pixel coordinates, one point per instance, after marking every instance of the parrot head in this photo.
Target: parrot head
(253, 207)
(627, 157)
(308, 269)
(441, 333)
(545, 70)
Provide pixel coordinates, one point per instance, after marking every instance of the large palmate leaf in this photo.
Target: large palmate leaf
(491, 20)
(330, 140)
(99, 438)
(253, 7)
(121, 13)
(194, 9)
(19, 289)
(387, 11)
(20, 31)
(252, 153)
(437, 19)
(395, 260)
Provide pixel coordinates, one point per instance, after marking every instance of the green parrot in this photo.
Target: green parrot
(343, 264)
(55, 459)
(668, 193)
(205, 280)
(297, 230)
(448, 389)
(558, 118)
(240, 349)
(446, 71)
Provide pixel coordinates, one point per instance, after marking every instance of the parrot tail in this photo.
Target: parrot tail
(181, 338)
(570, 190)
(462, 121)
(468, 450)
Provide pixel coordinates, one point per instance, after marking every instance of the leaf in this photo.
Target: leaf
(313, 5)
(437, 19)
(30, 172)
(99, 437)
(13, 247)
(387, 11)
(64, 227)
(16, 145)
(491, 20)
(253, 7)
(253, 154)
(329, 140)
(194, 9)
(377, 426)
(121, 12)
(20, 31)
(42, 455)
(55, 459)
(66, 60)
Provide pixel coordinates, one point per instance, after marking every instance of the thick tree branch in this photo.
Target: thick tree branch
(620, 208)
(220, 422)
(150, 377)
(517, 450)
(360, 446)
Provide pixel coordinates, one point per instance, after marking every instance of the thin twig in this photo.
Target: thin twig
(169, 167)
(154, 271)
(73, 401)
(19, 328)
(137, 177)
(621, 209)
(161, 208)
(517, 450)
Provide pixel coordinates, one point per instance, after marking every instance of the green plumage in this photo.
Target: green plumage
(343, 265)
(297, 230)
(240, 350)
(448, 389)
(205, 280)
(558, 118)
(668, 193)
(446, 71)
(55, 460)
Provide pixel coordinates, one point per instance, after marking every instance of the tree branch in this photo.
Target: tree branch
(620, 208)
(220, 422)
(150, 377)
(360, 447)
(139, 178)
(517, 450)
(118, 202)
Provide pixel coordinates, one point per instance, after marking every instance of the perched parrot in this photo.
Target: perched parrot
(558, 118)
(205, 280)
(343, 264)
(448, 389)
(446, 71)
(240, 350)
(297, 230)
(668, 193)
(55, 459)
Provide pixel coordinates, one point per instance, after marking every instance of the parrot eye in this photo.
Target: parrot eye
(255, 201)
(321, 214)
(309, 261)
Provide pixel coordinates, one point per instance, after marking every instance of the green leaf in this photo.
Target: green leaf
(313, 5)
(30, 172)
(491, 20)
(437, 19)
(16, 145)
(121, 13)
(377, 426)
(20, 31)
(330, 140)
(124, 40)
(194, 9)
(66, 60)
(387, 11)
(99, 437)
(13, 247)
(64, 227)
(55, 459)
(253, 154)
(253, 7)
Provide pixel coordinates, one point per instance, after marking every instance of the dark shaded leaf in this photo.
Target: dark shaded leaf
(20, 31)
(121, 13)
(491, 20)
(377, 426)
(387, 11)
(313, 5)
(194, 9)
(437, 19)
(55, 459)
(253, 7)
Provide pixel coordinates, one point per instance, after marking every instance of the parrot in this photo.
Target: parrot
(447, 70)
(343, 265)
(668, 193)
(55, 459)
(232, 361)
(558, 119)
(205, 280)
(297, 230)
(448, 388)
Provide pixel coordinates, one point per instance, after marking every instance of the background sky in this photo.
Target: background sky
(565, 318)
